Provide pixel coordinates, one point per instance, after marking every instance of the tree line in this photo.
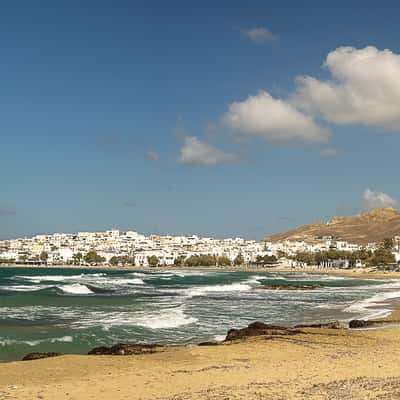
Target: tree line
(381, 256)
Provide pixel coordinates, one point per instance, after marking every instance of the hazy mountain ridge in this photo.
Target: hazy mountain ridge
(371, 226)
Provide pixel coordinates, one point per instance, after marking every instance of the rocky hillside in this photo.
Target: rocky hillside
(372, 226)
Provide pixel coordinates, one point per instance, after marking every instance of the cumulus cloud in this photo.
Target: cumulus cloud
(274, 120)
(328, 152)
(371, 199)
(364, 88)
(195, 152)
(152, 156)
(259, 35)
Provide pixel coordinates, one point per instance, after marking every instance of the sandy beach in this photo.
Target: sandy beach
(311, 363)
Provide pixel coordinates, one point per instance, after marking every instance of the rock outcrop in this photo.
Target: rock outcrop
(259, 329)
(126, 349)
(361, 323)
(38, 356)
(328, 325)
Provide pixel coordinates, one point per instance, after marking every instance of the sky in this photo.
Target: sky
(228, 119)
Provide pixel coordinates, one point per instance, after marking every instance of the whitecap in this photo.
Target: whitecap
(66, 339)
(57, 278)
(124, 281)
(139, 274)
(162, 319)
(24, 288)
(255, 279)
(203, 290)
(165, 319)
(75, 288)
(9, 342)
(373, 307)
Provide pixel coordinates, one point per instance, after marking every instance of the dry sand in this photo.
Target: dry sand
(312, 364)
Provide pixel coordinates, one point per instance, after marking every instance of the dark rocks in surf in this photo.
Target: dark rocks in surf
(38, 356)
(211, 343)
(360, 323)
(289, 287)
(126, 349)
(259, 329)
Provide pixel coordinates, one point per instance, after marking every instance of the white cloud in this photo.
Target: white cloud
(274, 120)
(194, 152)
(152, 156)
(259, 35)
(364, 89)
(328, 152)
(371, 199)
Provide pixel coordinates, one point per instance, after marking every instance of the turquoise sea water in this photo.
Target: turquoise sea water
(72, 311)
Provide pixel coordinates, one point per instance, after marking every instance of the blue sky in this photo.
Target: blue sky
(170, 117)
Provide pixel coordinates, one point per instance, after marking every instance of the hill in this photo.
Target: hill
(372, 226)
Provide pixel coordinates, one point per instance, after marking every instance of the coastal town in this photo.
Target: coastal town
(120, 248)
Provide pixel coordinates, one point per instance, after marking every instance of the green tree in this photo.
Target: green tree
(259, 260)
(23, 258)
(381, 256)
(223, 261)
(269, 260)
(153, 261)
(44, 256)
(124, 260)
(305, 257)
(239, 260)
(362, 254)
(114, 261)
(180, 261)
(201, 261)
(77, 258)
(281, 254)
(92, 258)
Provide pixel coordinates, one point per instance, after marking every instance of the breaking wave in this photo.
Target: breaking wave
(203, 290)
(375, 306)
(76, 288)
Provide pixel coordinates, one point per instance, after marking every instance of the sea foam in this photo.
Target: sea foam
(373, 307)
(75, 288)
(203, 290)
(165, 319)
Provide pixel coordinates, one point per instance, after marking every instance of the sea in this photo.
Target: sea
(72, 311)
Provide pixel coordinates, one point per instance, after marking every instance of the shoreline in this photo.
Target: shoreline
(361, 273)
(309, 362)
